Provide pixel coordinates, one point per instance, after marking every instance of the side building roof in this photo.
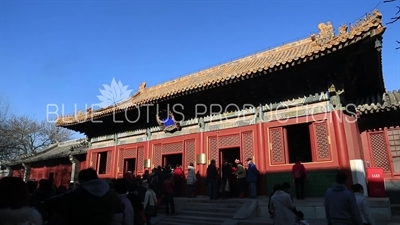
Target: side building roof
(266, 62)
(54, 151)
(388, 101)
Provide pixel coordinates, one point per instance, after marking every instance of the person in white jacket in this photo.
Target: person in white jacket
(362, 204)
(282, 208)
(191, 180)
(150, 203)
(14, 203)
(126, 217)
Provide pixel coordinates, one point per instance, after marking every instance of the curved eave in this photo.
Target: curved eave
(363, 110)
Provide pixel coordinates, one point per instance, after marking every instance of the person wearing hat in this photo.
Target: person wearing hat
(251, 177)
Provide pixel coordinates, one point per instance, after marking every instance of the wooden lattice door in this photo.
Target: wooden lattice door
(379, 150)
(277, 146)
(320, 137)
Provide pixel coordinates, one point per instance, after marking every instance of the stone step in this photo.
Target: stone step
(209, 209)
(214, 205)
(189, 220)
(268, 221)
(203, 212)
(206, 214)
(200, 200)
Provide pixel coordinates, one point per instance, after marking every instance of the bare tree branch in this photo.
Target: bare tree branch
(396, 18)
(23, 135)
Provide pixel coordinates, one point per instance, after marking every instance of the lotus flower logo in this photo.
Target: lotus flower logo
(113, 94)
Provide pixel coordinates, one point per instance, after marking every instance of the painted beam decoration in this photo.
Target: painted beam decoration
(168, 123)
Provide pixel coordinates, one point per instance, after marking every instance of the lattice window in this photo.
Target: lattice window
(190, 151)
(247, 143)
(130, 153)
(172, 148)
(277, 149)
(322, 142)
(394, 142)
(93, 160)
(157, 155)
(213, 148)
(229, 141)
(379, 150)
(121, 160)
(109, 162)
(140, 158)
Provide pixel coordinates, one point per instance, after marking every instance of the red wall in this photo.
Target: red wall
(340, 137)
(61, 174)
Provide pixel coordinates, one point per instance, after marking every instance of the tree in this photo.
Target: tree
(396, 16)
(23, 135)
(6, 141)
(32, 135)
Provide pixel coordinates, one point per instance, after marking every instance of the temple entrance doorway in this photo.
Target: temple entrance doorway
(172, 159)
(299, 142)
(130, 165)
(230, 154)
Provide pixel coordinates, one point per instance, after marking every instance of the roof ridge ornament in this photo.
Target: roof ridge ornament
(142, 87)
(326, 34)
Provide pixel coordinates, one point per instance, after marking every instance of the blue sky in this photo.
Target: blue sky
(62, 52)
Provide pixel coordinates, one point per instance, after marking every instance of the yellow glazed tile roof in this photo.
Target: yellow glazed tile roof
(268, 61)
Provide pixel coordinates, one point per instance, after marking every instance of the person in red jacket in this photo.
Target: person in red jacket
(178, 178)
(299, 176)
(168, 192)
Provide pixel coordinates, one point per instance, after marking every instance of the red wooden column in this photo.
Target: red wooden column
(202, 144)
(342, 149)
(261, 158)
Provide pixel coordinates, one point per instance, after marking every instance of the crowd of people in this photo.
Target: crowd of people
(134, 199)
(125, 201)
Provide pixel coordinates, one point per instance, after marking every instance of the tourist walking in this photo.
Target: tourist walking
(178, 179)
(226, 172)
(168, 191)
(191, 180)
(150, 203)
(299, 177)
(340, 204)
(241, 178)
(126, 217)
(276, 188)
(282, 208)
(252, 177)
(362, 204)
(212, 176)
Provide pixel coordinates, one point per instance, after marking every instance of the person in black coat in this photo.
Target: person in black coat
(212, 176)
(137, 205)
(93, 202)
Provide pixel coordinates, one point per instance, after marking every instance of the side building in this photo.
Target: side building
(296, 100)
(60, 163)
(379, 124)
